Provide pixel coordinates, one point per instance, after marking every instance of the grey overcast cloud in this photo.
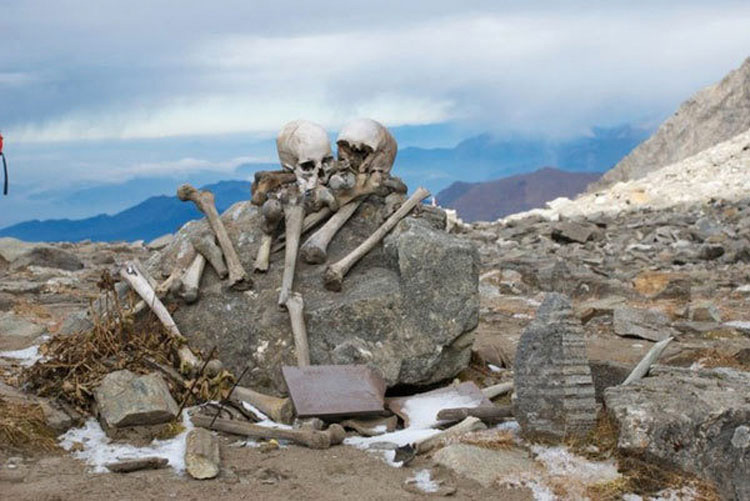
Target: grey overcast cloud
(107, 91)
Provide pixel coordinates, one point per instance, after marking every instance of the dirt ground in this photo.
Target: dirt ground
(247, 473)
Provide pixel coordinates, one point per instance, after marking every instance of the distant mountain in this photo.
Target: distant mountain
(149, 219)
(491, 200)
(713, 115)
(484, 157)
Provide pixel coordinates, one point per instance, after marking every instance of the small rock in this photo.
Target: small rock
(160, 242)
(568, 232)
(605, 374)
(709, 252)
(47, 257)
(645, 324)
(125, 399)
(17, 333)
(704, 312)
(485, 466)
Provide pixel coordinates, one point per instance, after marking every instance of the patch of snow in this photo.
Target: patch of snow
(539, 491)
(494, 368)
(98, 449)
(26, 357)
(423, 481)
(559, 461)
(422, 409)
(741, 325)
(399, 437)
(743, 288)
(264, 420)
(522, 316)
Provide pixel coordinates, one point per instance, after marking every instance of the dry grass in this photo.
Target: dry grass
(708, 358)
(489, 439)
(75, 365)
(23, 428)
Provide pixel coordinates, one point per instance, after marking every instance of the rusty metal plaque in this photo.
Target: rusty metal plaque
(335, 390)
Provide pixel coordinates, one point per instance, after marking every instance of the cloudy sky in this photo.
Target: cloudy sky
(108, 91)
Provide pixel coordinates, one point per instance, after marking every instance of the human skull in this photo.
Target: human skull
(304, 149)
(366, 146)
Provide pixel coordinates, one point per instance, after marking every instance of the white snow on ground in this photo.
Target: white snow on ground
(98, 449)
(687, 493)
(740, 325)
(264, 420)
(423, 481)
(26, 357)
(559, 461)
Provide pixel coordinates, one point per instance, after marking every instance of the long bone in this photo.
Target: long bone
(334, 274)
(295, 305)
(315, 249)
(206, 246)
(191, 281)
(271, 212)
(140, 282)
(294, 214)
(204, 200)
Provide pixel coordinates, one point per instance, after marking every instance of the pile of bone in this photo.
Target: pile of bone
(312, 187)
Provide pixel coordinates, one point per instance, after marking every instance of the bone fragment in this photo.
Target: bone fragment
(206, 246)
(310, 438)
(264, 253)
(315, 249)
(204, 200)
(334, 274)
(202, 454)
(497, 390)
(140, 284)
(293, 217)
(489, 414)
(647, 361)
(280, 410)
(129, 465)
(467, 425)
(191, 281)
(295, 305)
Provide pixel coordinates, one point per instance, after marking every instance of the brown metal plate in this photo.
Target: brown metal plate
(335, 390)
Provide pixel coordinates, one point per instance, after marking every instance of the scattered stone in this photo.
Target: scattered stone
(663, 285)
(694, 420)
(16, 332)
(598, 308)
(124, 399)
(569, 232)
(486, 466)
(160, 242)
(709, 252)
(645, 324)
(47, 257)
(202, 454)
(704, 312)
(554, 389)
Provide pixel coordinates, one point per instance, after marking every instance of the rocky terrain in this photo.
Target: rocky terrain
(713, 115)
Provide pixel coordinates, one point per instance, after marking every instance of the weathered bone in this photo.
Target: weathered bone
(489, 414)
(272, 211)
(206, 246)
(140, 284)
(268, 181)
(294, 215)
(497, 390)
(466, 426)
(295, 305)
(334, 274)
(280, 410)
(191, 281)
(647, 361)
(315, 249)
(304, 149)
(310, 438)
(204, 200)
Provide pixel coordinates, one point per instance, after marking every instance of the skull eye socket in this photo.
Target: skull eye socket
(308, 166)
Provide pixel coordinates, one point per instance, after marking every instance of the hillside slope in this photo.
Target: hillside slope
(149, 219)
(494, 199)
(713, 115)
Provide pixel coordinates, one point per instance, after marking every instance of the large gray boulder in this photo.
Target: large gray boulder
(694, 420)
(409, 307)
(552, 378)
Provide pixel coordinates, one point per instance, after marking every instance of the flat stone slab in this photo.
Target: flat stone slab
(652, 325)
(125, 399)
(16, 332)
(486, 466)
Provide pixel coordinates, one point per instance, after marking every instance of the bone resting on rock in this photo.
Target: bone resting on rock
(315, 249)
(334, 274)
(206, 246)
(137, 464)
(280, 410)
(295, 305)
(313, 439)
(204, 200)
(293, 216)
(191, 281)
(489, 414)
(648, 360)
(467, 425)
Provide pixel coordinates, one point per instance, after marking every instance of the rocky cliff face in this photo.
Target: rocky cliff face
(713, 115)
